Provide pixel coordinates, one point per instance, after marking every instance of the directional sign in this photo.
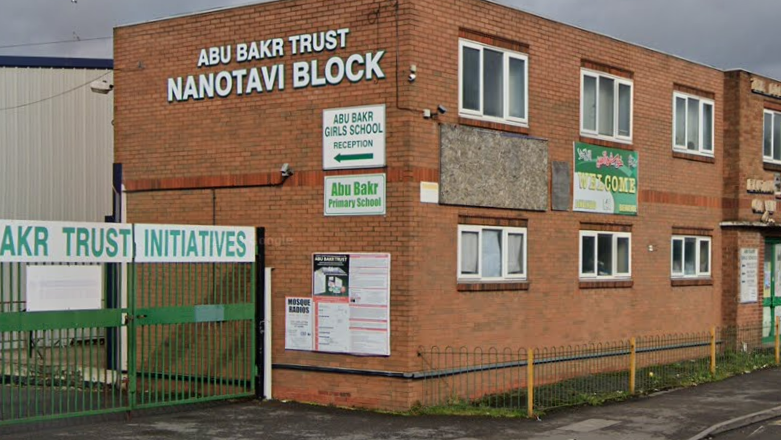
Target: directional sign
(354, 137)
(348, 157)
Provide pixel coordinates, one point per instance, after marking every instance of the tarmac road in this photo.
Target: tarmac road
(677, 415)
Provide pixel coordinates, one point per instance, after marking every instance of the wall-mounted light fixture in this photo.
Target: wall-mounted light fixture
(101, 86)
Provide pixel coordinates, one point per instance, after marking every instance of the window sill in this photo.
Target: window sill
(609, 143)
(503, 286)
(770, 166)
(696, 157)
(491, 125)
(606, 284)
(684, 282)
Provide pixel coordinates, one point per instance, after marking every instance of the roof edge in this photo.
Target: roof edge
(56, 62)
(493, 2)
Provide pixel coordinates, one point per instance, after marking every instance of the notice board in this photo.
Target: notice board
(351, 293)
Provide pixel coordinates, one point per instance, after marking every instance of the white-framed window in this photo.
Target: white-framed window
(690, 256)
(772, 137)
(605, 255)
(605, 106)
(493, 83)
(491, 253)
(692, 124)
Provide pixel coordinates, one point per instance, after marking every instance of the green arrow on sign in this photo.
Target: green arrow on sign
(340, 157)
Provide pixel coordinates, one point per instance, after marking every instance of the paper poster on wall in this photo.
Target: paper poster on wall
(749, 274)
(331, 275)
(333, 325)
(352, 302)
(298, 324)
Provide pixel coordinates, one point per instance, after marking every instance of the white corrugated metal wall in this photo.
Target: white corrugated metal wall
(56, 146)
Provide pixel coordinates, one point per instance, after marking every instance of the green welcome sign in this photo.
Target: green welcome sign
(605, 180)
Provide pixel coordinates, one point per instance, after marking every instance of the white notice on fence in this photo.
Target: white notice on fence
(749, 274)
(54, 288)
(298, 324)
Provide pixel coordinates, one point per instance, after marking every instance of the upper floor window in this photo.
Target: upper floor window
(691, 256)
(693, 129)
(493, 83)
(491, 253)
(772, 137)
(605, 255)
(606, 106)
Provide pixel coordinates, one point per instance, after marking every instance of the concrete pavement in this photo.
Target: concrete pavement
(677, 415)
(767, 430)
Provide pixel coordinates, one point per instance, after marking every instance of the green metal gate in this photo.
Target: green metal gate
(193, 331)
(184, 332)
(54, 364)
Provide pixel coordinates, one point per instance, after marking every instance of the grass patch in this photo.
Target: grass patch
(472, 409)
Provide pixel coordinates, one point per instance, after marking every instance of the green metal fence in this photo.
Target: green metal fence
(184, 334)
(54, 364)
(485, 379)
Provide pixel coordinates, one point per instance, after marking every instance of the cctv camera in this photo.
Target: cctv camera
(101, 86)
(441, 109)
(412, 77)
(285, 170)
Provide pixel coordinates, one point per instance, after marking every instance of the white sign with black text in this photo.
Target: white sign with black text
(298, 324)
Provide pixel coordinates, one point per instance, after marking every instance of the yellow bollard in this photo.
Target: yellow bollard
(530, 382)
(632, 364)
(778, 353)
(713, 351)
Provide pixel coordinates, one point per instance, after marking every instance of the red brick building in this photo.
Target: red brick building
(542, 184)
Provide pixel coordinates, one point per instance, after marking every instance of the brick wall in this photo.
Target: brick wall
(674, 192)
(214, 145)
(217, 161)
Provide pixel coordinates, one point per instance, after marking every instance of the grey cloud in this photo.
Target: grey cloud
(723, 33)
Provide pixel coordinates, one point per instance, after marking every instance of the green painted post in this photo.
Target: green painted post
(258, 299)
(131, 331)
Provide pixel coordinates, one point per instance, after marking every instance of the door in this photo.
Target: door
(771, 293)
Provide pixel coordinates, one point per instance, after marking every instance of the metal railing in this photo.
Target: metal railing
(528, 381)
(185, 336)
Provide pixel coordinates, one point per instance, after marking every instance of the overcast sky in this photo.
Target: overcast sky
(723, 33)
